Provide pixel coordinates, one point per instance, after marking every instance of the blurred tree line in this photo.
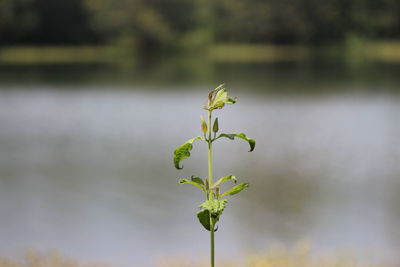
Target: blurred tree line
(189, 23)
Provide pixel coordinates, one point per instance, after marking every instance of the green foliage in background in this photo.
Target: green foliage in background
(151, 24)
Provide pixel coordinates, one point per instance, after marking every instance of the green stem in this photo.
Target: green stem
(210, 180)
(212, 243)
(210, 172)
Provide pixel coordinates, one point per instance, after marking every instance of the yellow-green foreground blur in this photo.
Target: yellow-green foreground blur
(299, 256)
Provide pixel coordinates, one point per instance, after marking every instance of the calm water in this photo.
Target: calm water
(87, 169)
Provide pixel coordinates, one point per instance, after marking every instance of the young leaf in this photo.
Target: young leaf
(217, 98)
(221, 98)
(214, 206)
(212, 93)
(183, 151)
(197, 180)
(224, 179)
(236, 189)
(186, 181)
(243, 136)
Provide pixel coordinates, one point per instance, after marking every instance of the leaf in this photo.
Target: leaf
(221, 98)
(186, 181)
(243, 136)
(197, 180)
(224, 179)
(212, 93)
(204, 218)
(182, 152)
(236, 189)
(214, 206)
(218, 97)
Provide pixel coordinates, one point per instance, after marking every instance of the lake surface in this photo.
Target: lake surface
(87, 169)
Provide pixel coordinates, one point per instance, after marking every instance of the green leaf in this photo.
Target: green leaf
(197, 180)
(224, 179)
(204, 218)
(214, 206)
(221, 98)
(182, 152)
(218, 97)
(243, 136)
(186, 181)
(236, 189)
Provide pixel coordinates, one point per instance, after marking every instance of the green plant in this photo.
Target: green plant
(211, 209)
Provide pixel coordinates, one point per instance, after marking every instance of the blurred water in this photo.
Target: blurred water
(89, 172)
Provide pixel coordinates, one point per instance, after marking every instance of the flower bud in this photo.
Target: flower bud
(215, 126)
(203, 125)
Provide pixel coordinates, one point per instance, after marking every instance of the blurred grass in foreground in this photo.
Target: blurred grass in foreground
(52, 259)
(299, 256)
(353, 49)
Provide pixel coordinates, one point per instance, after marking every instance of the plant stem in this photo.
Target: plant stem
(210, 180)
(210, 172)
(212, 243)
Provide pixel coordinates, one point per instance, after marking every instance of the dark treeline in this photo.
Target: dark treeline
(154, 23)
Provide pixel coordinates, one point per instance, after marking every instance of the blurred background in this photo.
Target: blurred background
(96, 94)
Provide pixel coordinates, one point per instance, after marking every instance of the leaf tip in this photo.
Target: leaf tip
(176, 164)
(252, 143)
